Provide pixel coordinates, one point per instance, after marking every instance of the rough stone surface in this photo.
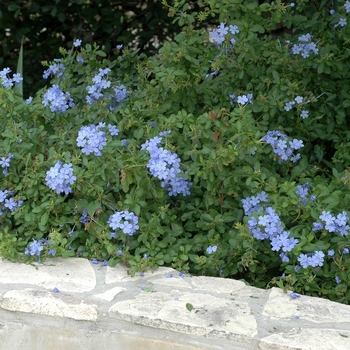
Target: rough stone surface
(71, 275)
(74, 304)
(44, 303)
(281, 305)
(305, 339)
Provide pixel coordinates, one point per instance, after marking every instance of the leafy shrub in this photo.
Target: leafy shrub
(226, 153)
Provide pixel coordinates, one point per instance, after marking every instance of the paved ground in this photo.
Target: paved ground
(74, 304)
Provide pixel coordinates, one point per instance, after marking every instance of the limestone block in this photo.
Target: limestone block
(69, 275)
(210, 315)
(281, 305)
(45, 303)
(308, 339)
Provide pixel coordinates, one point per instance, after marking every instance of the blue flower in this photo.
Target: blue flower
(330, 252)
(347, 6)
(84, 217)
(54, 69)
(34, 248)
(242, 100)
(284, 257)
(8, 82)
(305, 47)
(28, 100)
(299, 99)
(304, 114)
(5, 161)
(57, 100)
(94, 261)
(59, 177)
(124, 220)
(342, 22)
(113, 130)
(311, 259)
(280, 147)
(336, 224)
(218, 35)
(166, 166)
(252, 204)
(77, 43)
(91, 139)
(337, 280)
(80, 60)
(316, 226)
(211, 249)
(294, 295)
(100, 83)
(51, 252)
(289, 105)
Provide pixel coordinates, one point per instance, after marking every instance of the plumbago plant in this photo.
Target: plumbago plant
(226, 154)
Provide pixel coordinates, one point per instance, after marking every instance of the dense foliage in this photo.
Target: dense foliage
(224, 154)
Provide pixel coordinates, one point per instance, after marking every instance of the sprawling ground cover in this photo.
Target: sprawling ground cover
(225, 154)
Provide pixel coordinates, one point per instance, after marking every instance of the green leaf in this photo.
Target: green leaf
(189, 307)
(44, 218)
(92, 207)
(18, 88)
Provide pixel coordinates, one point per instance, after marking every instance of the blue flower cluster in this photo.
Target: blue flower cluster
(92, 139)
(124, 220)
(303, 192)
(311, 259)
(336, 224)
(5, 163)
(299, 100)
(252, 204)
(269, 226)
(305, 46)
(218, 35)
(58, 100)
(282, 147)
(347, 6)
(8, 202)
(120, 94)
(56, 68)
(8, 82)
(95, 91)
(166, 166)
(59, 177)
(36, 247)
